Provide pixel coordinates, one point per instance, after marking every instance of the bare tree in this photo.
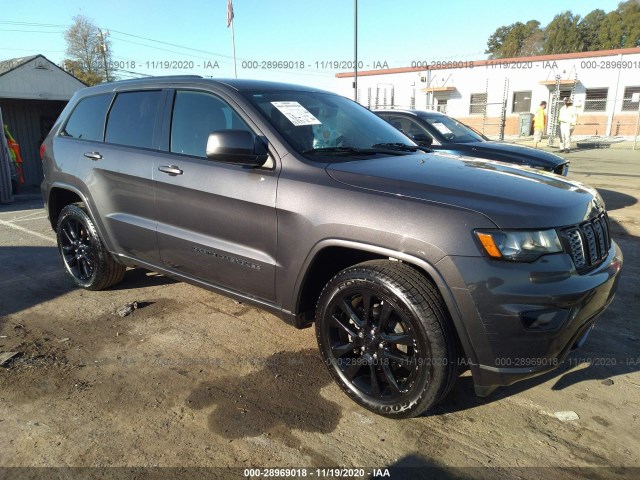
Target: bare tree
(88, 52)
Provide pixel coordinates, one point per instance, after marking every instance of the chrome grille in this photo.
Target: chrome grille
(589, 242)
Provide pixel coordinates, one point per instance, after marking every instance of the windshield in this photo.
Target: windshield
(325, 124)
(449, 130)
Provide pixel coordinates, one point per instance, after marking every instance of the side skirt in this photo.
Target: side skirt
(288, 317)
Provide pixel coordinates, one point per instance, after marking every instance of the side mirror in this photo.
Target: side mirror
(423, 140)
(237, 146)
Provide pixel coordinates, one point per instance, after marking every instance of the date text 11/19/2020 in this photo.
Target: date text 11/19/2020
(316, 472)
(248, 64)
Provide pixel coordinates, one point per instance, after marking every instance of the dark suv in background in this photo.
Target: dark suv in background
(306, 204)
(442, 133)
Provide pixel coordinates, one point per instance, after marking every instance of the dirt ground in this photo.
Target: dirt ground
(194, 379)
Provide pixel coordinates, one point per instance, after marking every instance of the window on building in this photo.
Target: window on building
(442, 105)
(596, 100)
(132, 119)
(521, 102)
(478, 103)
(628, 105)
(564, 93)
(87, 120)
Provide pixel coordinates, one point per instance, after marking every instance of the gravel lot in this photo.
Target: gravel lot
(194, 379)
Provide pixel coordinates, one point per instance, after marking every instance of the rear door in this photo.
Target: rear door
(216, 221)
(121, 178)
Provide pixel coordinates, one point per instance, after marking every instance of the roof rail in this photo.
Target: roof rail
(164, 77)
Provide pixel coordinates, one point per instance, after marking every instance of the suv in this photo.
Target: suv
(306, 204)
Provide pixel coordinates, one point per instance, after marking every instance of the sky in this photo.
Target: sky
(314, 38)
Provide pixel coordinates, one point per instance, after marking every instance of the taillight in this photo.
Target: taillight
(42, 150)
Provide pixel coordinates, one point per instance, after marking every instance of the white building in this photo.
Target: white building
(489, 94)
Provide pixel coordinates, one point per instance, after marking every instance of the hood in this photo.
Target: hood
(509, 152)
(512, 197)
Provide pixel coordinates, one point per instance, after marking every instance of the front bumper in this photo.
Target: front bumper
(522, 319)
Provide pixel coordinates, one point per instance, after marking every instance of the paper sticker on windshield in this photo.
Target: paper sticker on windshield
(442, 128)
(296, 113)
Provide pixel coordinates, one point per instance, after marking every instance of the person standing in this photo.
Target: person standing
(539, 124)
(568, 117)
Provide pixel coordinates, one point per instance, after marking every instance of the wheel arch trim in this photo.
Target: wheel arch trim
(85, 199)
(426, 267)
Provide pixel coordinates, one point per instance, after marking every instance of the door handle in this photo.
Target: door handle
(93, 155)
(170, 170)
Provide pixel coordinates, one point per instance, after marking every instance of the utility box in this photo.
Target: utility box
(525, 125)
(526, 120)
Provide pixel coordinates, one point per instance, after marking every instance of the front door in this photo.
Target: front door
(216, 221)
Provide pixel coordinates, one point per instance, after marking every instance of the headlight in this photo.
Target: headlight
(519, 246)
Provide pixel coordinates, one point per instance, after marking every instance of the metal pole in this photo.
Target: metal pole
(553, 113)
(103, 47)
(484, 108)
(233, 43)
(355, 50)
(503, 114)
(635, 138)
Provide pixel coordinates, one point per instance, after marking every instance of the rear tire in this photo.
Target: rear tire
(384, 333)
(83, 254)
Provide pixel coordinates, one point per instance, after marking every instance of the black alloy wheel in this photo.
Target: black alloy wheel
(384, 334)
(77, 252)
(83, 254)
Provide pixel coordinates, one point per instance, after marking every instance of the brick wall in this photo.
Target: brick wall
(492, 126)
(624, 124)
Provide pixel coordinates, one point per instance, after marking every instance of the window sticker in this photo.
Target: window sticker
(442, 128)
(296, 113)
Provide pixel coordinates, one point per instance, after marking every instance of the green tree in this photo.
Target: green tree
(533, 40)
(630, 14)
(88, 52)
(515, 40)
(610, 34)
(562, 35)
(590, 27)
(496, 41)
(567, 33)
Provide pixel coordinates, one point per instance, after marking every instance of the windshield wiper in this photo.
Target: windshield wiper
(397, 146)
(341, 150)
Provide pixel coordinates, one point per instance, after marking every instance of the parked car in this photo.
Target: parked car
(443, 133)
(306, 204)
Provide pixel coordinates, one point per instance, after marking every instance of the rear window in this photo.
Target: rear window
(87, 120)
(132, 119)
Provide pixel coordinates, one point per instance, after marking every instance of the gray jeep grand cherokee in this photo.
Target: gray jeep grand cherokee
(412, 264)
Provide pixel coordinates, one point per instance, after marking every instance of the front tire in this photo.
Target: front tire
(83, 254)
(385, 335)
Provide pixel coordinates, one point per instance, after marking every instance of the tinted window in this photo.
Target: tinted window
(450, 130)
(87, 119)
(408, 126)
(132, 119)
(195, 116)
